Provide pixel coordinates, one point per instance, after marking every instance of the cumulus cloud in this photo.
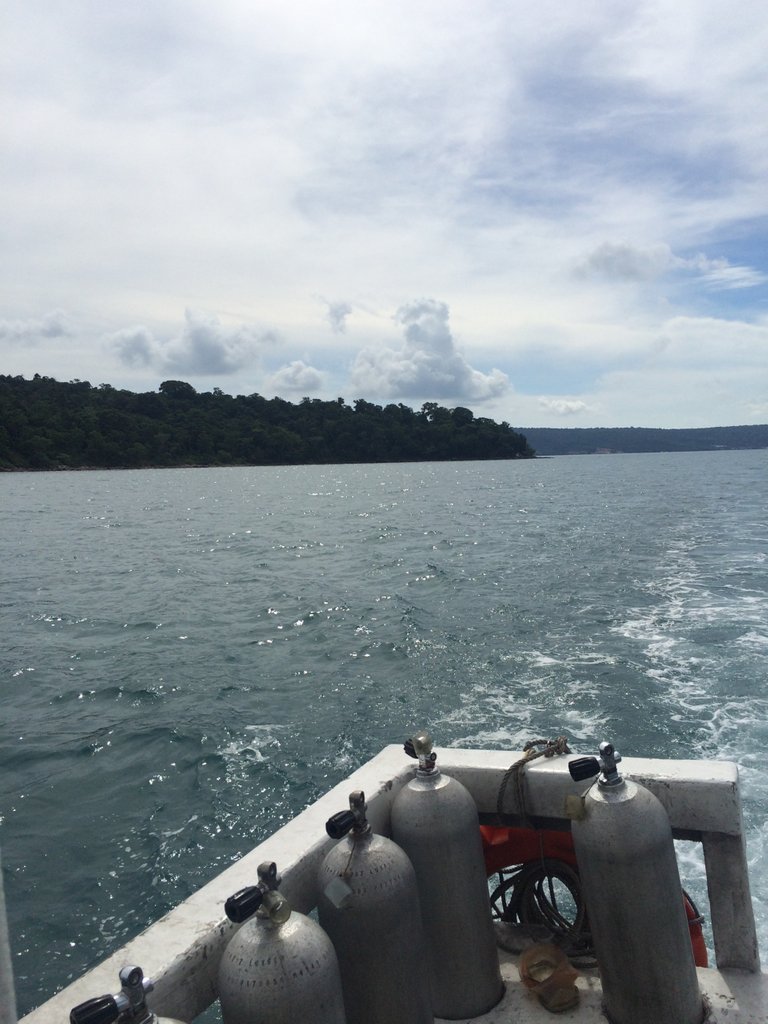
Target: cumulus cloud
(136, 346)
(564, 406)
(427, 364)
(52, 325)
(337, 315)
(203, 346)
(269, 163)
(296, 376)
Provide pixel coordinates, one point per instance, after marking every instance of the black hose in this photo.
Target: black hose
(527, 895)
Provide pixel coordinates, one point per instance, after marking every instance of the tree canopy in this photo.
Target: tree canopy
(48, 424)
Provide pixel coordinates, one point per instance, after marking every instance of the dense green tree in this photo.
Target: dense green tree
(177, 389)
(47, 424)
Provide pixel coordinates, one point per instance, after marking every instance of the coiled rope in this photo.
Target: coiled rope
(527, 894)
(550, 748)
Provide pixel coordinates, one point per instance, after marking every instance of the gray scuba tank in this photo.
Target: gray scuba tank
(129, 1005)
(369, 906)
(280, 967)
(633, 898)
(435, 820)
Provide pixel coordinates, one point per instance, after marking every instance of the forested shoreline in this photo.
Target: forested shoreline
(47, 424)
(609, 440)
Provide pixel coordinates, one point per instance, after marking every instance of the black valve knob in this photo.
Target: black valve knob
(243, 904)
(339, 824)
(409, 748)
(102, 1010)
(583, 768)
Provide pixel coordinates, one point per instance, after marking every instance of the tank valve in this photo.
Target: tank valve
(129, 1003)
(587, 767)
(353, 820)
(420, 747)
(263, 898)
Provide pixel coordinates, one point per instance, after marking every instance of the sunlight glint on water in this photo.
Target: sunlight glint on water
(195, 655)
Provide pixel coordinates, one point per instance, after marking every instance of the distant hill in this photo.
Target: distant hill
(593, 440)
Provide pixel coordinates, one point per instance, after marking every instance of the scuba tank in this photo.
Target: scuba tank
(129, 1006)
(435, 820)
(369, 906)
(633, 897)
(280, 967)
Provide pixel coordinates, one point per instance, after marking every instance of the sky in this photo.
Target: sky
(554, 214)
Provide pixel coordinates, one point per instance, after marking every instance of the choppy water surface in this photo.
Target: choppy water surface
(191, 656)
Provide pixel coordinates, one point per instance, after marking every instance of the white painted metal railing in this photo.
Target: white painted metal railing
(181, 952)
(7, 997)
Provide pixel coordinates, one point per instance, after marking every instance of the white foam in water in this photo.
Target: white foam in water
(540, 660)
(753, 640)
(693, 877)
(730, 726)
(239, 750)
(696, 643)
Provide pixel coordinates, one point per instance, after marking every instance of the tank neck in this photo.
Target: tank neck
(610, 777)
(427, 769)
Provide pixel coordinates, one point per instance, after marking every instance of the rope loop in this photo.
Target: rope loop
(549, 748)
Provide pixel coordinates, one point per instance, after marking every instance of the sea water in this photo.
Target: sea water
(190, 657)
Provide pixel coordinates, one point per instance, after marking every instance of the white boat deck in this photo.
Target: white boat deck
(740, 997)
(181, 952)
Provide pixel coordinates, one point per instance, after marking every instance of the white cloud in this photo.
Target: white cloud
(712, 343)
(685, 371)
(427, 365)
(564, 406)
(30, 331)
(337, 315)
(721, 275)
(623, 261)
(137, 347)
(626, 262)
(297, 377)
(243, 158)
(670, 397)
(203, 347)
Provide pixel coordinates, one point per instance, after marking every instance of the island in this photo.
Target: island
(47, 424)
